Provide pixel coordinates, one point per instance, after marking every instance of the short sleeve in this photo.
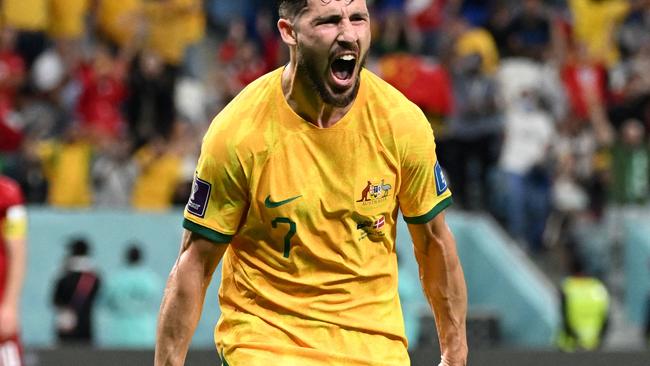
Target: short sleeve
(14, 226)
(424, 192)
(219, 195)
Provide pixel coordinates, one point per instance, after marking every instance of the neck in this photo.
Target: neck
(306, 101)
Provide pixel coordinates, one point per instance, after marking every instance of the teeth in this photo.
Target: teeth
(347, 58)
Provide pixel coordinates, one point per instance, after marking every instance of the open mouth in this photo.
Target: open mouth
(343, 68)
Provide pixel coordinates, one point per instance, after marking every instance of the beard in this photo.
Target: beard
(307, 66)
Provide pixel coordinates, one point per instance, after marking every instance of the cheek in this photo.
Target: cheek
(364, 36)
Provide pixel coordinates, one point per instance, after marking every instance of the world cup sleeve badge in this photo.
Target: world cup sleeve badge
(198, 203)
(441, 181)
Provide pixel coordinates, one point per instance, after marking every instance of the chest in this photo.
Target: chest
(326, 178)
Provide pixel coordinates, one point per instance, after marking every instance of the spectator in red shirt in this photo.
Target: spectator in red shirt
(103, 91)
(12, 70)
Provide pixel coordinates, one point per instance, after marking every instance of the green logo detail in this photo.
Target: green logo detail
(270, 204)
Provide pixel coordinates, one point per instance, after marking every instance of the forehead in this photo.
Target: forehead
(318, 7)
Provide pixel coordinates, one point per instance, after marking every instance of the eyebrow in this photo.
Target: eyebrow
(338, 17)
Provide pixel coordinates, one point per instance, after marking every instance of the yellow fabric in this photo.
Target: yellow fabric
(478, 40)
(67, 166)
(25, 15)
(587, 304)
(159, 176)
(15, 223)
(192, 20)
(280, 186)
(117, 19)
(594, 24)
(68, 18)
(173, 26)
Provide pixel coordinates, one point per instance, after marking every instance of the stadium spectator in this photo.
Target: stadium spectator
(13, 232)
(235, 38)
(159, 174)
(119, 23)
(75, 291)
(131, 299)
(150, 102)
(113, 174)
(475, 132)
(26, 168)
(67, 27)
(103, 90)
(585, 306)
(595, 23)
(30, 18)
(529, 134)
(244, 69)
(268, 40)
(193, 25)
(631, 165)
(12, 72)
(170, 26)
(396, 35)
(529, 33)
(469, 40)
(67, 163)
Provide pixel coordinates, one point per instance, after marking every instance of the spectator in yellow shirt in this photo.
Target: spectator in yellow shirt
(595, 23)
(67, 168)
(173, 26)
(118, 21)
(67, 26)
(30, 19)
(159, 175)
(473, 40)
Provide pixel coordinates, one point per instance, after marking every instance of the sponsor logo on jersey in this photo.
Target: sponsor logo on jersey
(441, 181)
(374, 192)
(198, 202)
(269, 203)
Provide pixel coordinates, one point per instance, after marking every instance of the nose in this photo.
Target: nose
(347, 33)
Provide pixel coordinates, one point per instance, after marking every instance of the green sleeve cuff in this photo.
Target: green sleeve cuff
(212, 235)
(431, 214)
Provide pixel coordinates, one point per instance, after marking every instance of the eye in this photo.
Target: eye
(328, 21)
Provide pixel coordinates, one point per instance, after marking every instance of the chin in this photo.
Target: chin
(340, 98)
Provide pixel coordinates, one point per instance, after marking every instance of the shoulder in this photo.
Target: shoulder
(387, 103)
(10, 193)
(246, 114)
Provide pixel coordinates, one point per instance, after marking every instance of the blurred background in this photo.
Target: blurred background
(541, 112)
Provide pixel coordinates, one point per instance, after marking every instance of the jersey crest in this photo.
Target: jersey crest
(374, 192)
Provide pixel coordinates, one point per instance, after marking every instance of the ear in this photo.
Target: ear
(287, 32)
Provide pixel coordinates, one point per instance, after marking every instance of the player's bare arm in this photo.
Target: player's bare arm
(444, 286)
(15, 233)
(184, 296)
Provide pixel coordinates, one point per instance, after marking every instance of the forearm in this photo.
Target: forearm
(182, 302)
(443, 283)
(16, 273)
(179, 315)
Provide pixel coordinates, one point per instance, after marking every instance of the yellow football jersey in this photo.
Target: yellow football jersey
(310, 277)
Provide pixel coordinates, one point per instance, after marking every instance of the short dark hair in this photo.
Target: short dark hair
(78, 246)
(133, 254)
(288, 9)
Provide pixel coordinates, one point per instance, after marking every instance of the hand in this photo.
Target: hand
(446, 362)
(8, 320)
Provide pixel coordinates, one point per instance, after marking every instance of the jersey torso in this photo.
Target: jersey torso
(311, 274)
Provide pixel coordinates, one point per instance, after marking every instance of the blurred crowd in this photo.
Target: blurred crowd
(541, 109)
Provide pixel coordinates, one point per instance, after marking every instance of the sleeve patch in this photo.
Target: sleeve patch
(441, 181)
(198, 202)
